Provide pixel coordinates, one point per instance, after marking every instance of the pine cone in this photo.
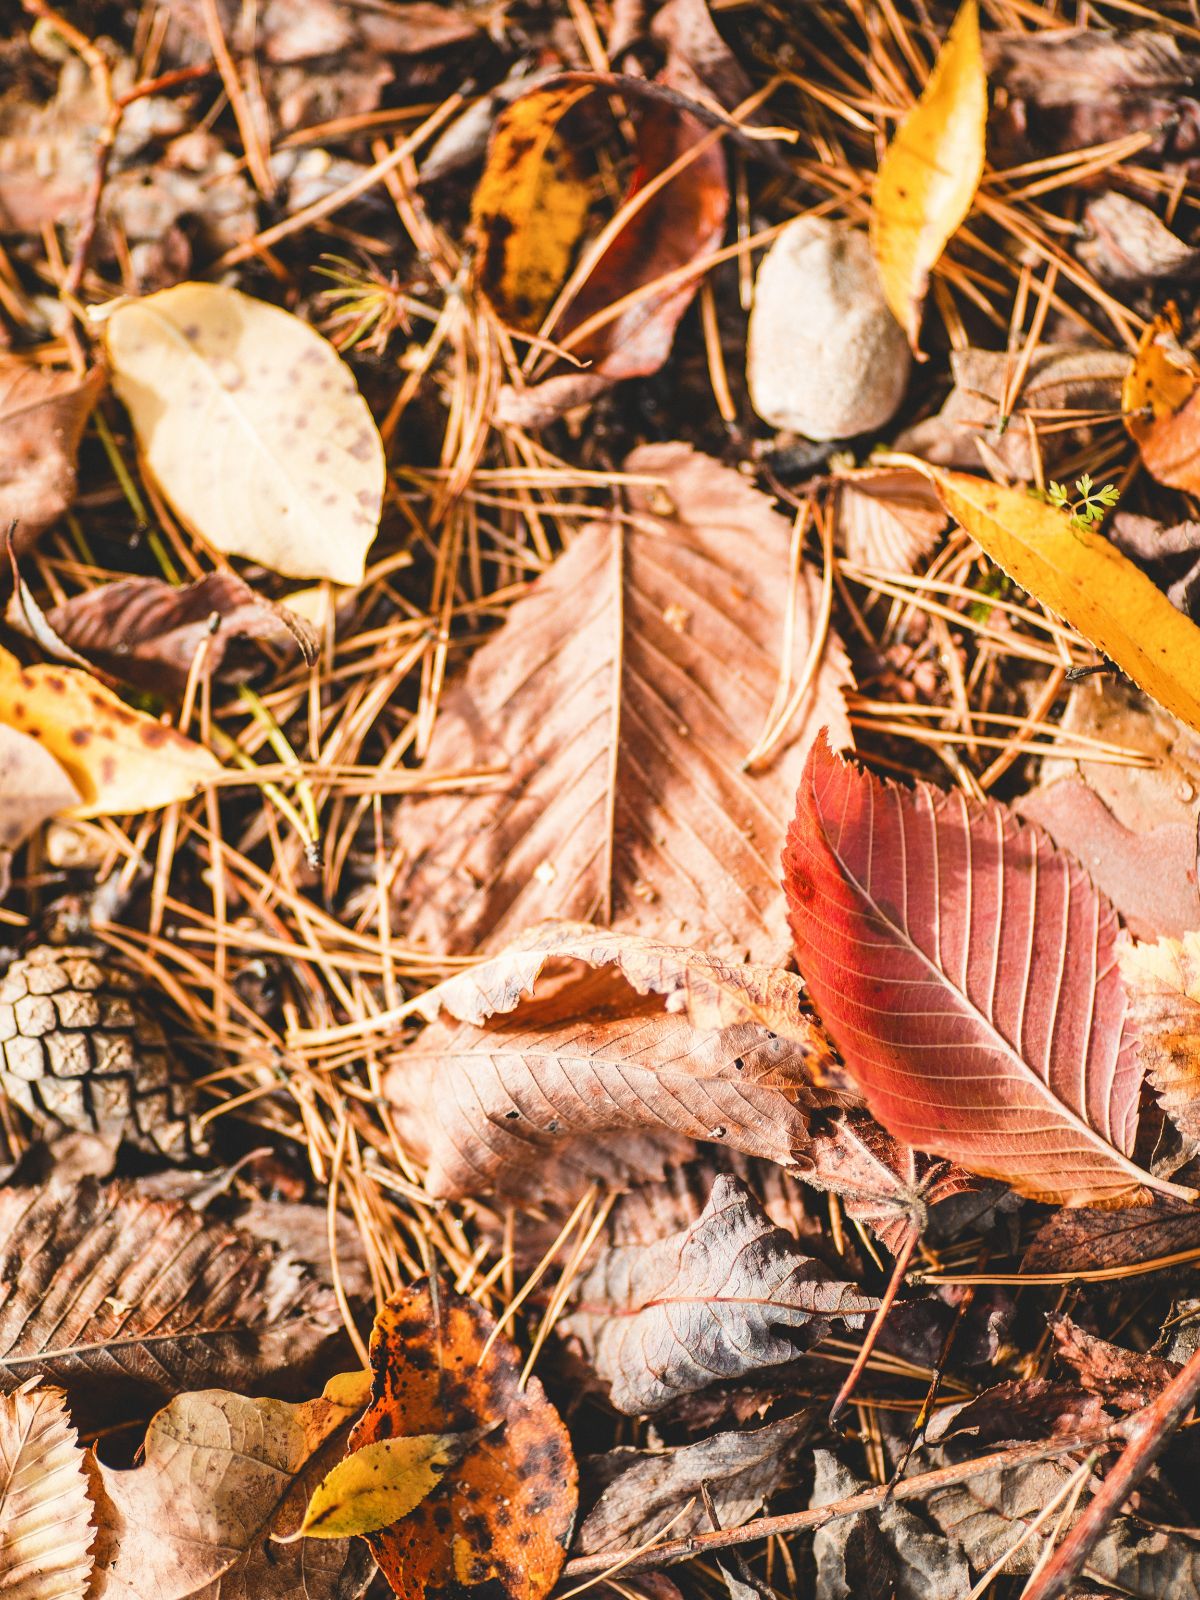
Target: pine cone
(79, 1050)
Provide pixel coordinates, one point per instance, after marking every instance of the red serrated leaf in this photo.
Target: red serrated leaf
(967, 971)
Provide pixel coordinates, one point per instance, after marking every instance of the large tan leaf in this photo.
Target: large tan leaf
(118, 759)
(33, 787)
(646, 1039)
(223, 1479)
(42, 418)
(253, 426)
(126, 1300)
(1163, 982)
(621, 695)
(727, 1296)
(45, 1514)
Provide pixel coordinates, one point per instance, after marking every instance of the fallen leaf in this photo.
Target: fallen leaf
(123, 1300)
(1161, 403)
(1065, 391)
(1126, 243)
(223, 1479)
(1080, 576)
(1163, 984)
(967, 972)
(648, 1038)
(118, 759)
(1171, 555)
(42, 418)
(648, 1489)
(728, 1296)
(501, 1520)
(621, 696)
(1126, 1380)
(253, 427)
(33, 787)
(147, 632)
(1020, 1408)
(686, 30)
(888, 517)
(377, 1485)
(530, 205)
(930, 172)
(46, 1528)
(1105, 1241)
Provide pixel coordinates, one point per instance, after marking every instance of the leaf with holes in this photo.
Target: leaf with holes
(968, 973)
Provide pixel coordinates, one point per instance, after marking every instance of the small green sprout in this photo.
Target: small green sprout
(1092, 504)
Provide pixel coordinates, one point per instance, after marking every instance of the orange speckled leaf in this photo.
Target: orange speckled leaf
(1161, 403)
(499, 1523)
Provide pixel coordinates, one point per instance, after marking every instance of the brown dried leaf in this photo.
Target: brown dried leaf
(1163, 984)
(1126, 1380)
(224, 1479)
(501, 1519)
(1024, 1408)
(1161, 402)
(888, 517)
(45, 1515)
(646, 1038)
(713, 1302)
(645, 1490)
(1126, 243)
(1102, 1241)
(621, 695)
(124, 1300)
(33, 787)
(42, 418)
(146, 632)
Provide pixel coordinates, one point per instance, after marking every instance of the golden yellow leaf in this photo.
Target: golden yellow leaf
(253, 427)
(381, 1483)
(530, 206)
(120, 760)
(930, 172)
(1084, 579)
(1161, 403)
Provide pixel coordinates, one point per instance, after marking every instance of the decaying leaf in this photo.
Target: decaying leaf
(930, 172)
(1127, 243)
(967, 972)
(729, 1295)
(1102, 1241)
(645, 1038)
(646, 1490)
(45, 1515)
(888, 517)
(530, 204)
(33, 787)
(1076, 572)
(147, 632)
(1125, 1380)
(118, 1298)
(621, 696)
(42, 418)
(1169, 553)
(1161, 402)
(1163, 983)
(377, 1485)
(500, 1520)
(253, 427)
(118, 759)
(223, 1481)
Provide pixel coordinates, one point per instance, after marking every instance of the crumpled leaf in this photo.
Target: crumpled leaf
(381, 1483)
(646, 1490)
(888, 517)
(146, 632)
(1170, 554)
(1127, 243)
(1020, 1408)
(223, 1480)
(501, 1519)
(124, 1300)
(45, 1515)
(1161, 403)
(33, 787)
(1163, 984)
(530, 205)
(621, 696)
(1125, 1380)
(888, 1554)
(253, 427)
(42, 418)
(967, 972)
(1100, 1241)
(1061, 382)
(727, 1296)
(119, 760)
(930, 172)
(646, 1038)
(1080, 576)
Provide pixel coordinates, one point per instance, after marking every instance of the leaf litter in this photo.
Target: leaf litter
(417, 648)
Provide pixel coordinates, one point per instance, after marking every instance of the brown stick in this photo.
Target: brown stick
(877, 1322)
(923, 1483)
(1148, 1433)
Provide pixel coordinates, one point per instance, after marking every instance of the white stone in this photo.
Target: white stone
(825, 356)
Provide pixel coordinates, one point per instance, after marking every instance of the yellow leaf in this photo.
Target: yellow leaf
(1081, 577)
(379, 1484)
(530, 206)
(930, 172)
(1161, 403)
(253, 427)
(119, 760)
